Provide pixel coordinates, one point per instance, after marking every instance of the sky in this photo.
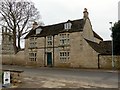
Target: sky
(119, 10)
(101, 12)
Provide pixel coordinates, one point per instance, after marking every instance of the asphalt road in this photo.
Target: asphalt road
(100, 77)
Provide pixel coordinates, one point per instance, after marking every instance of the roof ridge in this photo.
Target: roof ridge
(98, 47)
(61, 22)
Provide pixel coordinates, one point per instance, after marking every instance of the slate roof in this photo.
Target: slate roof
(97, 36)
(104, 47)
(77, 26)
(107, 45)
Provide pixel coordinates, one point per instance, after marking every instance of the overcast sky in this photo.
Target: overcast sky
(101, 12)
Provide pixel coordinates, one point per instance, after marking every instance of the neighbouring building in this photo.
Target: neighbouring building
(67, 44)
(7, 49)
(7, 41)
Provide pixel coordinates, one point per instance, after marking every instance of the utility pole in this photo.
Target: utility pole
(113, 64)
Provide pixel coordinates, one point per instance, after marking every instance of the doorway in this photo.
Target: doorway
(49, 59)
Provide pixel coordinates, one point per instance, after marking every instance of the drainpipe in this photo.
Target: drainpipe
(53, 50)
(98, 61)
(45, 52)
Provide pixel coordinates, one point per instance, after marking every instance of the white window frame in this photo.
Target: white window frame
(67, 26)
(65, 39)
(38, 30)
(33, 42)
(33, 56)
(49, 40)
(64, 56)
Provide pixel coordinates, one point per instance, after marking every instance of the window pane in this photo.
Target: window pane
(49, 37)
(60, 54)
(32, 56)
(65, 54)
(35, 54)
(49, 40)
(64, 39)
(67, 25)
(67, 35)
(68, 54)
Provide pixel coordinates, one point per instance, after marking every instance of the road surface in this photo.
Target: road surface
(46, 77)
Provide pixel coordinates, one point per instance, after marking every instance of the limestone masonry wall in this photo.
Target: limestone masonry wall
(106, 61)
(14, 59)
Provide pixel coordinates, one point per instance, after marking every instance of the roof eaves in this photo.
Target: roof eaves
(97, 36)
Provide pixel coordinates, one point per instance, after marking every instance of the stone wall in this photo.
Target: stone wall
(14, 59)
(89, 57)
(105, 61)
(81, 54)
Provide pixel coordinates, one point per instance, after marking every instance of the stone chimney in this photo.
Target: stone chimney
(85, 13)
(35, 24)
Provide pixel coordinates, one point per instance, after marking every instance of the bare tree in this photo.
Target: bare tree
(17, 17)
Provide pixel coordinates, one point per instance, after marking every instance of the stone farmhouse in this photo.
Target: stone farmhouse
(68, 44)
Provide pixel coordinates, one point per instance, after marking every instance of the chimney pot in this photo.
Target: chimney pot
(35, 24)
(85, 13)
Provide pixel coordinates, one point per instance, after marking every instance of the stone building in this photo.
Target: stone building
(66, 44)
(7, 53)
(7, 41)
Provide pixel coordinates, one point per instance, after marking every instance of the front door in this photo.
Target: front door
(49, 59)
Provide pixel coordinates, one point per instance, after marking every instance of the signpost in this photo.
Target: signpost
(6, 78)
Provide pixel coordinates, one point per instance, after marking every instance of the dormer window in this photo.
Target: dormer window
(38, 30)
(67, 25)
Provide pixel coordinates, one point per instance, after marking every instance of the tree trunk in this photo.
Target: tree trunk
(19, 47)
(14, 42)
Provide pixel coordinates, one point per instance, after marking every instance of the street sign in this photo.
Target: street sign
(6, 77)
